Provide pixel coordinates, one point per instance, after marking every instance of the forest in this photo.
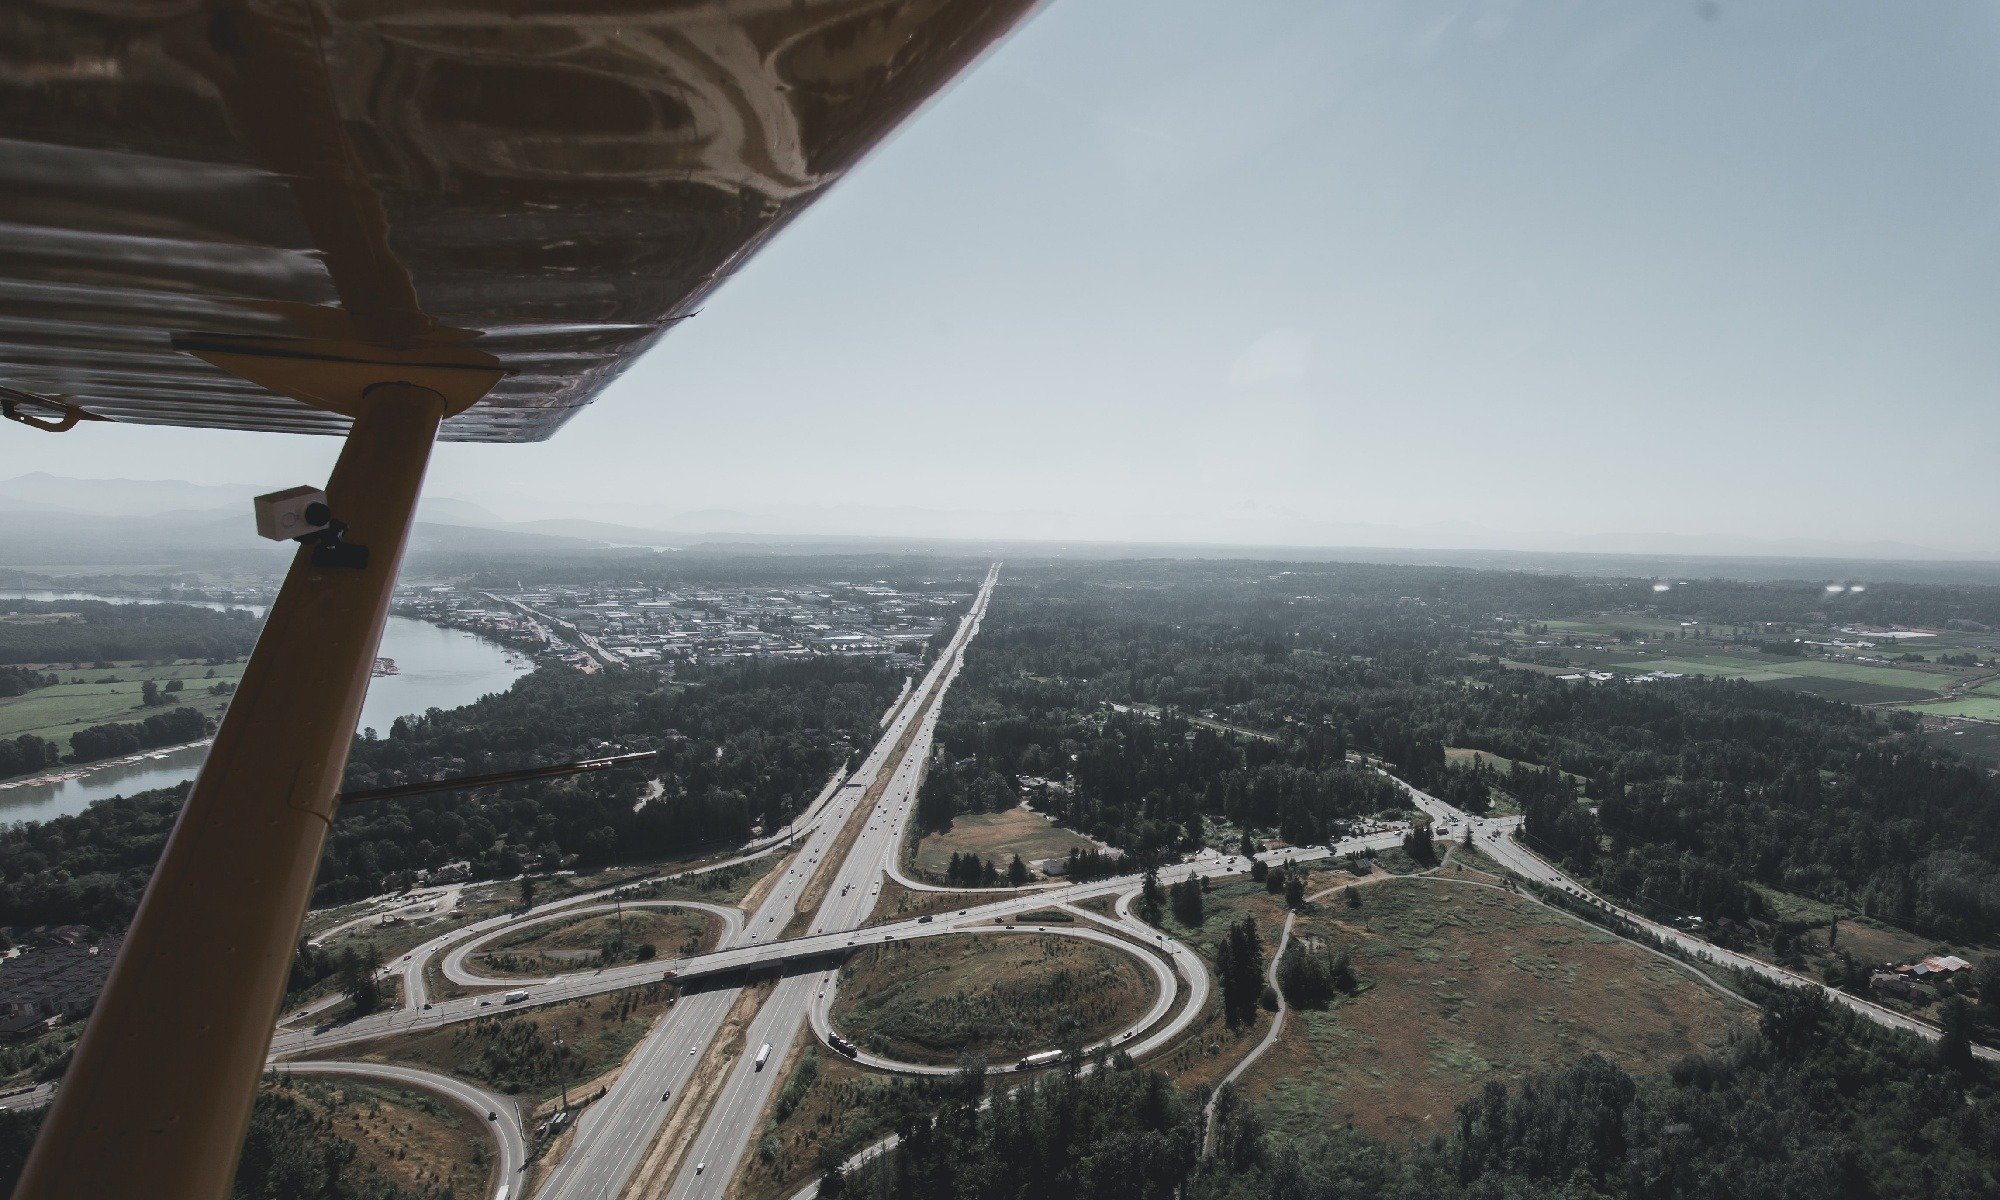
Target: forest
(1146, 693)
(737, 744)
(292, 1152)
(96, 631)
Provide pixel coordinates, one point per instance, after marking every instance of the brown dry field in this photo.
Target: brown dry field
(898, 903)
(672, 932)
(998, 837)
(414, 1140)
(1000, 996)
(1461, 984)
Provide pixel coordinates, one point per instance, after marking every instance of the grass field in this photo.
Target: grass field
(1460, 985)
(1979, 708)
(1211, 1047)
(514, 1050)
(1758, 670)
(423, 1144)
(991, 996)
(1717, 667)
(1850, 691)
(899, 903)
(601, 939)
(99, 697)
(998, 837)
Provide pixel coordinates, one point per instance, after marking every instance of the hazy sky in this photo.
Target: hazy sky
(1250, 269)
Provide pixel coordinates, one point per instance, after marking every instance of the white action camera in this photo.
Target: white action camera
(281, 516)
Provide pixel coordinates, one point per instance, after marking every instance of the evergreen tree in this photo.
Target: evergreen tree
(1955, 1044)
(1239, 965)
(1151, 898)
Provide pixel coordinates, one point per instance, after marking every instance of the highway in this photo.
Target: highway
(888, 776)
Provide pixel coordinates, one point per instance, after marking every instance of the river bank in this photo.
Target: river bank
(436, 668)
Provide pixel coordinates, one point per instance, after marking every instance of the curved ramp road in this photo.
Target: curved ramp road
(416, 989)
(761, 949)
(504, 1125)
(1167, 993)
(456, 971)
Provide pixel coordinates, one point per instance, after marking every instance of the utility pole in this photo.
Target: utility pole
(562, 1076)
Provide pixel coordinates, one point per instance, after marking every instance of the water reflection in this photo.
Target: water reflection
(436, 668)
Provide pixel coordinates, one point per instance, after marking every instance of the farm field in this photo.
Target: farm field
(1756, 671)
(1761, 670)
(995, 997)
(1978, 707)
(98, 697)
(998, 837)
(1850, 691)
(1610, 624)
(1459, 985)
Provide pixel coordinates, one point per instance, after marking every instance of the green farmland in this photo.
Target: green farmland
(101, 696)
(1980, 707)
(1916, 682)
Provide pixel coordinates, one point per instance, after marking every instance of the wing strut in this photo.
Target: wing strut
(157, 1100)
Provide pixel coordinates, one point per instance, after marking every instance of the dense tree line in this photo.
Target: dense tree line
(1817, 1105)
(1704, 786)
(736, 744)
(103, 632)
(291, 1152)
(27, 753)
(1110, 1135)
(1155, 694)
(352, 967)
(19, 681)
(970, 870)
(169, 728)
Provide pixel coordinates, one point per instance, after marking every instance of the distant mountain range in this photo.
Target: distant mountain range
(51, 520)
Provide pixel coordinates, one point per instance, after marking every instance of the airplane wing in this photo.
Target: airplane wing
(545, 188)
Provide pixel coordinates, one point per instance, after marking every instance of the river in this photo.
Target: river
(436, 668)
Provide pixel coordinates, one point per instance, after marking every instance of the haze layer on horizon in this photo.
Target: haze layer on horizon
(1196, 272)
